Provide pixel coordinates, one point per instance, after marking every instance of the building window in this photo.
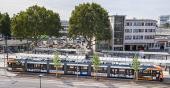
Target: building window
(143, 24)
(138, 23)
(151, 45)
(128, 30)
(149, 30)
(141, 30)
(137, 37)
(129, 24)
(168, 44)
(150, 24)
(129, 37)
(157, 45)
(149, 37)
(138, 30)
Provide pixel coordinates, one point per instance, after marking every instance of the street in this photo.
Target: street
(12, 81)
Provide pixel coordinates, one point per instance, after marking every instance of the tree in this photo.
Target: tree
(57, 62)
(35, 22)
(136, 66)
(96, 64)
(166, 25)
(5, 25)
(90, 21)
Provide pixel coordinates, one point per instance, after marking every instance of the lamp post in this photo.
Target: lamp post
(40, 79)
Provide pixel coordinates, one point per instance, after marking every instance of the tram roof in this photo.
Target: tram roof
(137, 52)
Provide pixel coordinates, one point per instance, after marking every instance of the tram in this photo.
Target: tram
(151, 72)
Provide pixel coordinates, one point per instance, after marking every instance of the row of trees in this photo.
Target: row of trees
(89, 20)
(34, 23)
(96, 63)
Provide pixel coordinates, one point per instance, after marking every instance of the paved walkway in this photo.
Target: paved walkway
(33, 82)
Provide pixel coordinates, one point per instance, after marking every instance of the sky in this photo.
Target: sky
(140, 9)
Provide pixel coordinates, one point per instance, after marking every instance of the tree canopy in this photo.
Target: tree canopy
(135, 66)
(96, 61)
(135, 63)
(90, 20)
(5, 23)
(57, 62)
(35, 22)
(166, 25)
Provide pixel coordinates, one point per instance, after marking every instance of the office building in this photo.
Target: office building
(117, 26)
(139, 34)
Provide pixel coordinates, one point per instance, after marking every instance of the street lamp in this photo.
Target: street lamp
(40, 79)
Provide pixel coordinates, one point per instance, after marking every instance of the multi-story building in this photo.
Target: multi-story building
(117, 29)
(139, 34)
(64, 33)
(130, 34)
(164, 19)
(65, 25)
(117, 26)
(162, 39)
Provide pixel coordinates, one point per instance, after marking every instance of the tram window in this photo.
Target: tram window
(155, 72)
(145, 72)
(43, 67)
(121, 71)
(52, 67)
(83, 67)
(71, 68)
(102, 70)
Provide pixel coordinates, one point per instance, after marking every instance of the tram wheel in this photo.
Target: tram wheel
(161, 80)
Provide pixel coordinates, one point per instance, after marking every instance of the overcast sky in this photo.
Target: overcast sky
(143, 9)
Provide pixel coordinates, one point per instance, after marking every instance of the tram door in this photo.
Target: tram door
(80, 70)
(129, 73)
(71, 70)
(155, 74)
(114, 72)
(122, 73)
(83, 70)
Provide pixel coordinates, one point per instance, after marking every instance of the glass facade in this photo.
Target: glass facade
(119, 30)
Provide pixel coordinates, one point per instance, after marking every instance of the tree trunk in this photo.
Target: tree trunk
(96, 75)
(89, 46)
(136, 75)
(56, 71)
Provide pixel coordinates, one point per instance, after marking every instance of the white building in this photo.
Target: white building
(164, 19)
(139, 34)
(65, 25)
(162, 38)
